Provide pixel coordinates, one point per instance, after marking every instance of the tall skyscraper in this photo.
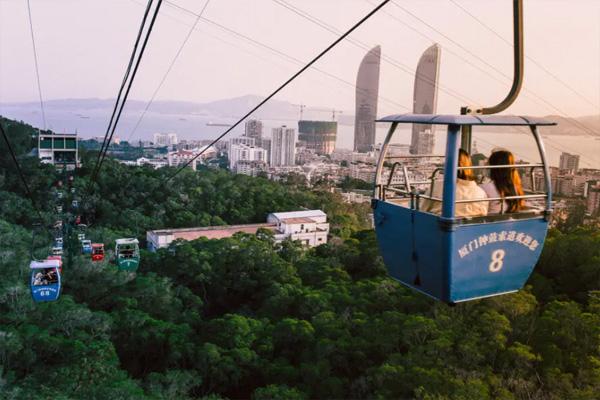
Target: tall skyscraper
(569, 162)
(367, 93)
(283, 147)
(254, 129)
(425, 99)
(318, 136)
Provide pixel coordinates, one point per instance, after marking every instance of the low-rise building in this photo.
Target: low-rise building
(154, 162)
(309, 227)
(59, 149)
(181, 157)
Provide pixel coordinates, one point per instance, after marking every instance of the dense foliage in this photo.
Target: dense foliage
(245, 318)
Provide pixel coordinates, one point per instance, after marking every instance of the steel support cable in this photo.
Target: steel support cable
(562, 147)
(134, 73)
(445, 48)
(275, 51)
(171, 65)
(536, 63)
(399, 65)
(123, 83)
(582, 126)
(259, 44)
(21, 176)
(37, 69)
(475, 66)
(282, 86)
(332, 29)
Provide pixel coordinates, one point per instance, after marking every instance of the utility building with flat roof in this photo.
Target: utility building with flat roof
(59, 149)
(309, 227)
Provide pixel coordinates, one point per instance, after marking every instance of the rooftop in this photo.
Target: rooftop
(213, 232)
(298, 221)
(298, 214)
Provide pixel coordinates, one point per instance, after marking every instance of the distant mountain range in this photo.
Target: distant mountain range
(90, 116)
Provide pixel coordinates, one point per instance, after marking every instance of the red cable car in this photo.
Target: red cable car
(97, 251)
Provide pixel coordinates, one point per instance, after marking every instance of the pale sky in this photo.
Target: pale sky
(84, 45)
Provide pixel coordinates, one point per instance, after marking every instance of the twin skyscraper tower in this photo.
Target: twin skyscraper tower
(424, 100)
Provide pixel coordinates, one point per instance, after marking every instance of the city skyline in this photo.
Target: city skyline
(73, 46)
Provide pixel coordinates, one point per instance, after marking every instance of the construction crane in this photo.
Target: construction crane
(332, 110)
(302, 107)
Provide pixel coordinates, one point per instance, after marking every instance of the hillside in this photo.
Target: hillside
(244, 318)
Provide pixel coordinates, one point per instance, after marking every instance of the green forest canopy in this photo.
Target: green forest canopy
(244, 318)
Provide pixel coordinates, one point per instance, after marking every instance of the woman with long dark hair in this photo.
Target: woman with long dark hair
(505, 182)
(466, 189)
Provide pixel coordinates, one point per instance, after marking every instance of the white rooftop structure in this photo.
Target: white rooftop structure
(273, 217)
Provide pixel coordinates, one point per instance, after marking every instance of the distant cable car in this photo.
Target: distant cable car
(45, 280)
(75, 204)
(86, 247)
(450, 258)
(127, 254)
(57, 251)
(97, 251)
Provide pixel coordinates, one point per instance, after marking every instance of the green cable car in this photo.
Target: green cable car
(127, 254)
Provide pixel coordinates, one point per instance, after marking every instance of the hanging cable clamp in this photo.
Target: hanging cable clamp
(471, 110)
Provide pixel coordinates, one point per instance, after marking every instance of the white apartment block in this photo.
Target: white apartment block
(247, 141)
(242, 152)
(283, 147)
(165, 139)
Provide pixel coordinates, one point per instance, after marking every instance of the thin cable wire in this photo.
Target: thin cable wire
(21, 176)
(123, 83)
(134, 73)
(37, 69)
(171, 65)
(394, 62)
(582, 126)
(537, 64)
(281, 87)
(275, 51)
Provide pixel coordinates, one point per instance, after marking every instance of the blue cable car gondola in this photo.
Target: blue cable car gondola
(45, 280)
(450, 258)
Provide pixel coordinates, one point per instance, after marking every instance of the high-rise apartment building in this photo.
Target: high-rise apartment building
(254, 129)
(569, 162)
(367, 93)
(592, 203)
(318, 136)
(425, 99)
(283, 147)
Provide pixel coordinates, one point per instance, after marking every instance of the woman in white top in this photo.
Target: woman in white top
(466, 189)
(505, 182)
